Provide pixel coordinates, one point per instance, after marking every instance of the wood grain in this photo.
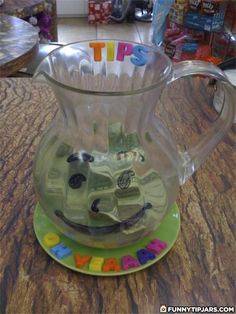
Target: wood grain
(19, 44)
(199, 270)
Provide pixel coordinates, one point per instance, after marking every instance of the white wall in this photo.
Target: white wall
(72, 7)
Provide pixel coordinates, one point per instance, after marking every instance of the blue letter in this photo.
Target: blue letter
(144, 256)
(139, 52)
(60, 250)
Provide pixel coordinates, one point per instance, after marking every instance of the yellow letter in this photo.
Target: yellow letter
(96, 263)
(110, 51)
(51, 239)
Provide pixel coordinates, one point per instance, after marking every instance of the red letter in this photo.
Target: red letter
(111, 264)
(80, 261)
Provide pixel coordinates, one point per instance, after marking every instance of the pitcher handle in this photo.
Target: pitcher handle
(196, 155)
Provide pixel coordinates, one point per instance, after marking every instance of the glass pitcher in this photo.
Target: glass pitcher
(107, 169)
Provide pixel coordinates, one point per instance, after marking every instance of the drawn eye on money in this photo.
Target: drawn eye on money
(124, 179)
(73, 157)
(76, 180)
(122, 154)
(94, 205)
(80, 157)
(142, 159)
(87, 157)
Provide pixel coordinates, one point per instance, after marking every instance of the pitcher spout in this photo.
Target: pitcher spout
(44, 71)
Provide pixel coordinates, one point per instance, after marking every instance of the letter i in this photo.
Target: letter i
(110, 51)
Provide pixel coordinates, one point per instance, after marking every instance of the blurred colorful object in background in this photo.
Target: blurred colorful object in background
(99, 11)
(43, 22)
(196, 29)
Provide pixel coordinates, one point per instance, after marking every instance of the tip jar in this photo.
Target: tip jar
(106, 170)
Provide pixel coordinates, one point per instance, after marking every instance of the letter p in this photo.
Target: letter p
(124, 49)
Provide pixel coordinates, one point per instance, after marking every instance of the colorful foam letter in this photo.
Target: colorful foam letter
(51, 239)
(80, 261)
(110, 51)
(156, 246)
(97, 50)
(140, 52)
(96, 263)
(111, 264)
(60, 251)
(129, 262)
(144, 256)
(124, 49)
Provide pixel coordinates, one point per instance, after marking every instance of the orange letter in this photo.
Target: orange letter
(80, 261)
(97, 50)
(111, 264)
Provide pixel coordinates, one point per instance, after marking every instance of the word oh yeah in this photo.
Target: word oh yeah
(100, 264)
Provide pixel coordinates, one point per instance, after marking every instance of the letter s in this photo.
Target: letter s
(140, 52)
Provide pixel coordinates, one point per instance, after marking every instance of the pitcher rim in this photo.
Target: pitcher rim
(107, 93)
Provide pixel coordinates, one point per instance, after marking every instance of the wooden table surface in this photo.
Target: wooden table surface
(22, 8)
(18, 44)
(199, 269)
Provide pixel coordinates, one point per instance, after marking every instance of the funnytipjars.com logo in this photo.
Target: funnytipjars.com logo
(196, 309)
(163, 308)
